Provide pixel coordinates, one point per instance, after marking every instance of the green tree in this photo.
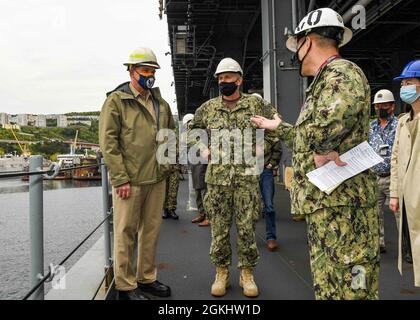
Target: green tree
(88, 113)
(47, 149)
(10, 148)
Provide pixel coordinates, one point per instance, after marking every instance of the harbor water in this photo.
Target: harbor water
(72, 209)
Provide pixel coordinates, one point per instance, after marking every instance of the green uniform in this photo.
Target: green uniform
(346, 265)
(172, 184)
(273, 155)
(231, 192)
(244, 203)
(335, 116)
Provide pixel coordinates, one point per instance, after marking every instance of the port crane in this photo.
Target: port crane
(23, 148)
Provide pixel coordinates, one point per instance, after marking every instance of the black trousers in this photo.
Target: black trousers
(406, 244)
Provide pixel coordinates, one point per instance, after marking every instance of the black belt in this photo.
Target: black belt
(383, 175)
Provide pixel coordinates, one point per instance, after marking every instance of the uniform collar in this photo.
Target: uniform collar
(239, 104)
(320, 69)
(330, 59)
(125, 93)
(144, 95)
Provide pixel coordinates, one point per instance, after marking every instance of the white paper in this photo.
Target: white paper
(358, 159)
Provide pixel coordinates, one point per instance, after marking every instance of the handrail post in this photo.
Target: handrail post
(36, 222)
(107, 228)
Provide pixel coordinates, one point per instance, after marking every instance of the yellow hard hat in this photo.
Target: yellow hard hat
(142, 56)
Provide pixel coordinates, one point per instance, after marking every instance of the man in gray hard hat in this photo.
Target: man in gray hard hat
(381, 138)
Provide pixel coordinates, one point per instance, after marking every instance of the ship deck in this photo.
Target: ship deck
(184, 264)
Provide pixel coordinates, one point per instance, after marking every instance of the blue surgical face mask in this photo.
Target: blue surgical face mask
(409, 94)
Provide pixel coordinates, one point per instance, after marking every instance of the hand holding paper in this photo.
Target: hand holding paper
(321, 160)
(358, 159)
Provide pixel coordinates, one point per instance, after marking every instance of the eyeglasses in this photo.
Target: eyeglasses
(409, 84)
(145, 73)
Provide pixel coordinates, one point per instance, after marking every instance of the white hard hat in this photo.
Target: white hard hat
(228, 65)
(323, 17)
(257, 95)
(383, 96)
(188, 117)
(144, 57)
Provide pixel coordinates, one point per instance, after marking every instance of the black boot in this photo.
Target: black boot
(131, 295)
(408, 258)
(155, 288)
(172, 215)
(165, 214)
(406, 242)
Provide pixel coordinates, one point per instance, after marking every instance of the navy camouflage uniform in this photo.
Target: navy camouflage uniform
(231, 193)
(343, 231)
(172, 182)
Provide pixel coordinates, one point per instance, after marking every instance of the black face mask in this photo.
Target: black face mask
(383, 114)
(227, 88)
(295, 59)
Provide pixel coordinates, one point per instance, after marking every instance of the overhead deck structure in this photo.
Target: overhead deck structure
(201, 34)
(253, 33)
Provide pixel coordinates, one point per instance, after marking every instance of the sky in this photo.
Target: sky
(59, 56)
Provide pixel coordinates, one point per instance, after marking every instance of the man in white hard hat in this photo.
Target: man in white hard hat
(232, 192)
(381, 138)
(129, 122)
(342, 225)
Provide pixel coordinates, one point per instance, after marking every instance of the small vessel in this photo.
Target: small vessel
(72, 160)
(92, 173)
(10, 162)
(76, 160)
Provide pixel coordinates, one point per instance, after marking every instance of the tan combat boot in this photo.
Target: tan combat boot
(246, 281)
(221, 283)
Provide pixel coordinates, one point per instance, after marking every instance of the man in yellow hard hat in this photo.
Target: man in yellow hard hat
(130, 119)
